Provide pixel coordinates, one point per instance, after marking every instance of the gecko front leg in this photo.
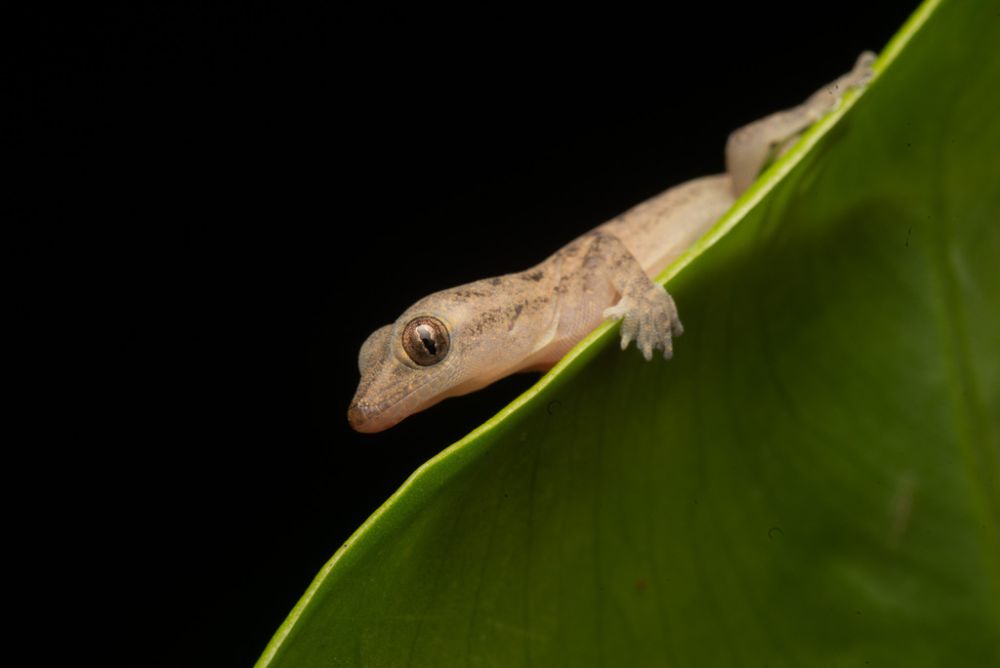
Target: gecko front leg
(648, 313)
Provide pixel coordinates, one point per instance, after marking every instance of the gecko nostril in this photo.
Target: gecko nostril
(356, 416)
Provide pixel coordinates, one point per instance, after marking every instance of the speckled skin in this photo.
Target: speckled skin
(527, 321)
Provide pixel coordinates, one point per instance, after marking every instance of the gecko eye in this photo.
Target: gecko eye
(426, 340)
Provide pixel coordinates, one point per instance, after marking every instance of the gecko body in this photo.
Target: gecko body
(461, 339)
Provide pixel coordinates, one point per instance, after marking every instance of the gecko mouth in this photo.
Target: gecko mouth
(369, 418)
(357, 417)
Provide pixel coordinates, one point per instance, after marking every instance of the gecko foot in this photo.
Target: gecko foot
(650, 319)
(858, 77)
(862, 72)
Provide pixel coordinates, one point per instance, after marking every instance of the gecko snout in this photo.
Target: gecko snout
(357, 417)
(368, 419)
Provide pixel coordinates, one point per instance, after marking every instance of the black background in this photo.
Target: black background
(246, 192)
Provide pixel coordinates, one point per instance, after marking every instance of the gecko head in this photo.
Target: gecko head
(406, 367)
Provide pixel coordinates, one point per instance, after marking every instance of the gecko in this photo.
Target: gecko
(462, 339)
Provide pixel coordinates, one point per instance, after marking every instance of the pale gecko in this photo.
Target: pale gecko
(459, 340)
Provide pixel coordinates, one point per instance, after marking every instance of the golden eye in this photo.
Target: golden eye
(426, 340)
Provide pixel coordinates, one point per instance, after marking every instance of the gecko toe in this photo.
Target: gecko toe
(676, 327)
(614, 312)
(862, 72)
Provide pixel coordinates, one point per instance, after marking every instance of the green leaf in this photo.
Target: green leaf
(813, 480)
